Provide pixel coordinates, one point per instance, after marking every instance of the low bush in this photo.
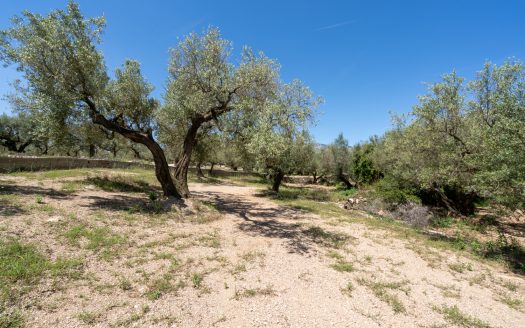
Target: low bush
(414, 214)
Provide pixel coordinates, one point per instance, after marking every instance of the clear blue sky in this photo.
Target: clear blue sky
(365, 58)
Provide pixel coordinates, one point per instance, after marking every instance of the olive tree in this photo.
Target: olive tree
(16, 132)
(339, 162)
(204, 84)
(463, 140)
(67, 79)
(278, 138)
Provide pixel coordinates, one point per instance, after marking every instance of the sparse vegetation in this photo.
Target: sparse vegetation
(276, 228)
(453, 315)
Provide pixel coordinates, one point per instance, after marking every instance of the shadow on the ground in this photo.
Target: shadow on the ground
(114, 203)
(8, 208)
(265, 221)
(32, 191)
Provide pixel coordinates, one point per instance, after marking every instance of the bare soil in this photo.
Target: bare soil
(250, 263)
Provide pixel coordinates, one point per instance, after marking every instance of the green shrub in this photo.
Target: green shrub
(392, 193)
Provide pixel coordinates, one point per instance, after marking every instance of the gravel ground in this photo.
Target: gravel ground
(252, 263)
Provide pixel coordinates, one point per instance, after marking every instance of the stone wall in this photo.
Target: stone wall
(29, 163)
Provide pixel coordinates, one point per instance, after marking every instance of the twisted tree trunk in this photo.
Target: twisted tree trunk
(200, 174)
(277, 179)
(162, 170)
(181, 167)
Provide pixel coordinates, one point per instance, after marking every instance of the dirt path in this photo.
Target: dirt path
(255, 264)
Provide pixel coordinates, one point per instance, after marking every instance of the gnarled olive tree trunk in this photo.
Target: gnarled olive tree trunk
(183, 163)
(277, 179)
(162, 170)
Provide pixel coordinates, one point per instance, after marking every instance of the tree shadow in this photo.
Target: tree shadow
(114, 203)
(8, 208)
(32, 191)
(260, 220)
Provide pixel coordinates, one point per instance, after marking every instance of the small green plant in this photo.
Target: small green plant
(443, 222)
(343, 266)
(39, 199)
(88, 317)
(159, 287)
(510, 285)
(153, 196)
(453, 315)
(11, 319)
(460, 267)
(514, 303)
(125, 284)
(380, 290)
(252, 292)
(348, 289)
(196, 280)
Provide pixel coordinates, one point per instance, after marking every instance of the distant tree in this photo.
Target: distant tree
(363, 169)
(16, 132)
(341, 160)
(278, 140)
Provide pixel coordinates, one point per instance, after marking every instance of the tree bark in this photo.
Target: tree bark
(162, 170)
(277, 179)
(181, 167)
(341, 177)
(91, 150)
(136, 153)
(200, 174)
(210, 172)
(314, 176)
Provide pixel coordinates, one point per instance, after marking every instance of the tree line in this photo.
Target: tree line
(463, 143)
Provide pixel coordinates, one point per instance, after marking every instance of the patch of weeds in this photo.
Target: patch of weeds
(252, 256)
(348, 289)
(252, 292)
(20, 262)
(477, 280)
(335, 255)
(125, 284)
(71, 186)
(196, 280)
(506, 249)
(159, 287)
(10, 318)
(510, 285)
(380, 290)
(290, 193)
(10, 205)
(39, 199)
(326, 238)
(453, 315)
(210, 240)
(343, 266)
(127, 322)
(449, 290)
(443, 222)
(241, 267)
(21, 267)
(70, 268)
(514, 303)
(88, 317)
(97, 239)
(460, 267)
